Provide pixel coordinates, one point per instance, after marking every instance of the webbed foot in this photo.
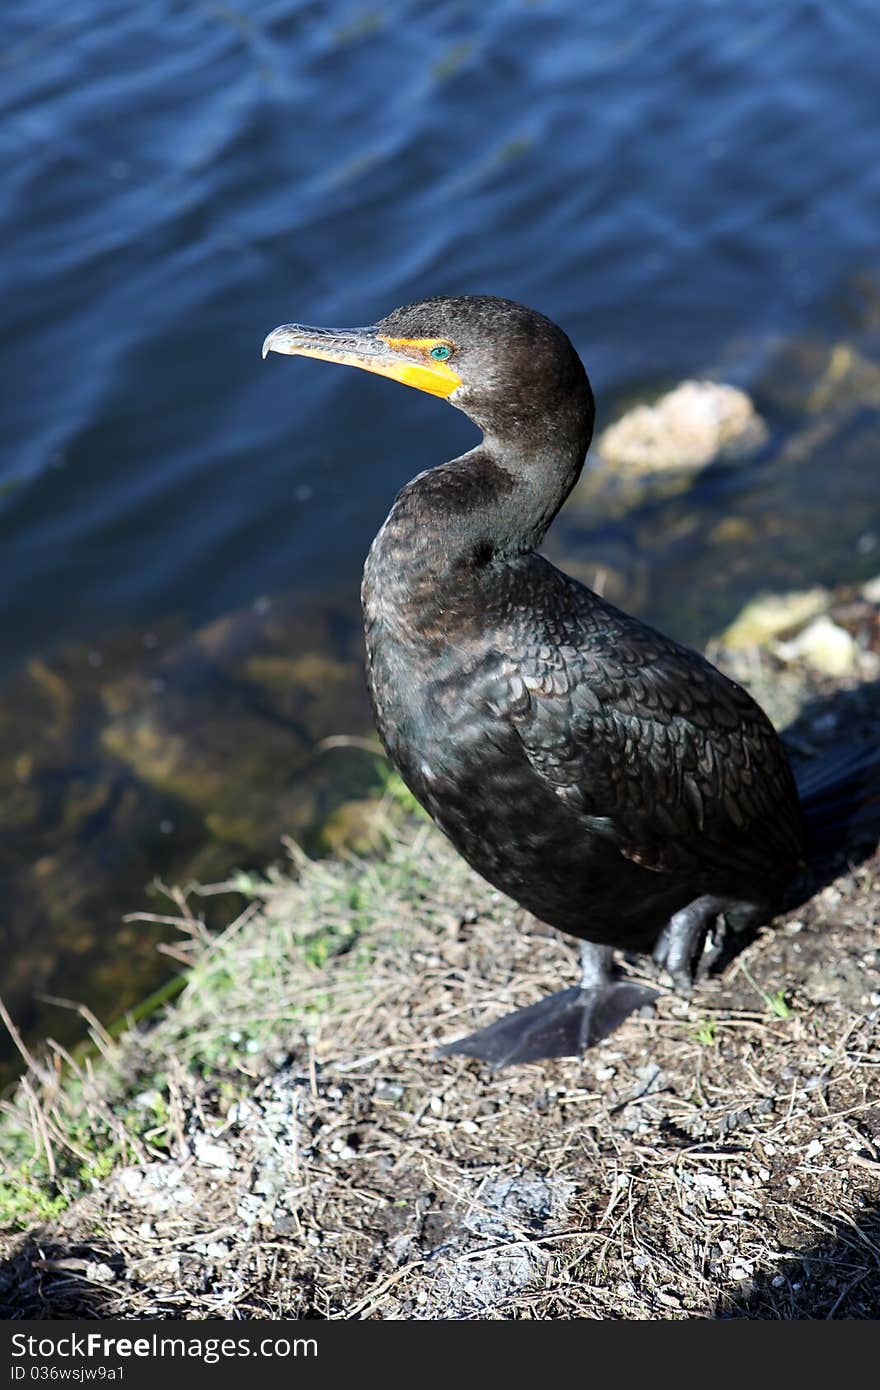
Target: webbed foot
(563, 1024)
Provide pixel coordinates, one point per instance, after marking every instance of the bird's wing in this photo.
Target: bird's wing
(653, 747)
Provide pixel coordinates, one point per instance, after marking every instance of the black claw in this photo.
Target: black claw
(683, 982)
(680, 944)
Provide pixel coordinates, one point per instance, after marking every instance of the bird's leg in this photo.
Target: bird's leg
(564, 1024)
(597, 965)
(680, 943)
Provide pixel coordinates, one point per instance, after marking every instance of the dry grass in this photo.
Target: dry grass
(282, 1142)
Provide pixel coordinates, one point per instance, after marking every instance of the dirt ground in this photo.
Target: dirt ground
(718, 1159)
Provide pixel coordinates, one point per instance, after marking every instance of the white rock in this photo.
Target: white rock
(687, 428)
(711, 1185)
(871, 590)
(211, 1154)
(823, 645)
(156, 1186)
(769, 615)
(148, 1100)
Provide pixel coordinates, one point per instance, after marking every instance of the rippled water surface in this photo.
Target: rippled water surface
(690, 188)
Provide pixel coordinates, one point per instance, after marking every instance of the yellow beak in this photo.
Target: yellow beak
(404, 359)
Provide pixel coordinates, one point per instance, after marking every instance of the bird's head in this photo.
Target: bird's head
(507, 367)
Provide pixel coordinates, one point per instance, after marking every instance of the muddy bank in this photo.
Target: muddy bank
(719, 1159)
(282, 1142)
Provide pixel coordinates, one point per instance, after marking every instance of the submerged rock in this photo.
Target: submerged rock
(356, 826)
(182, 757)
(688, 428)
(811, 377)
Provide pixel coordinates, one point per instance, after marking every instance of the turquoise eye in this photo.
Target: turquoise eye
(441, 353)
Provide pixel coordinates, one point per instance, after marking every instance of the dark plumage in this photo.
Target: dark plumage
(608, 779)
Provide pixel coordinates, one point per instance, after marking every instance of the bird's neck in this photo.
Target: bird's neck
(453, 523)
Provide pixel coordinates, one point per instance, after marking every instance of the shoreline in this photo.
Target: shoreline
(279, 1141)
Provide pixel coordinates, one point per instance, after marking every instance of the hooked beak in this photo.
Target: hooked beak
(404, 359)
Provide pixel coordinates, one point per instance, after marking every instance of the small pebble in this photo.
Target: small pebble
(669, 1300)
(388, 1090)
(212, 1155)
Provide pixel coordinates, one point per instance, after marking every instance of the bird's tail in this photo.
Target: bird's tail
(840, 797)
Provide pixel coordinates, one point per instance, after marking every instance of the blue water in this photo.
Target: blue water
(177, 178)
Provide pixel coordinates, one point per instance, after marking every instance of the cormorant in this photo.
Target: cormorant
(606, 778)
